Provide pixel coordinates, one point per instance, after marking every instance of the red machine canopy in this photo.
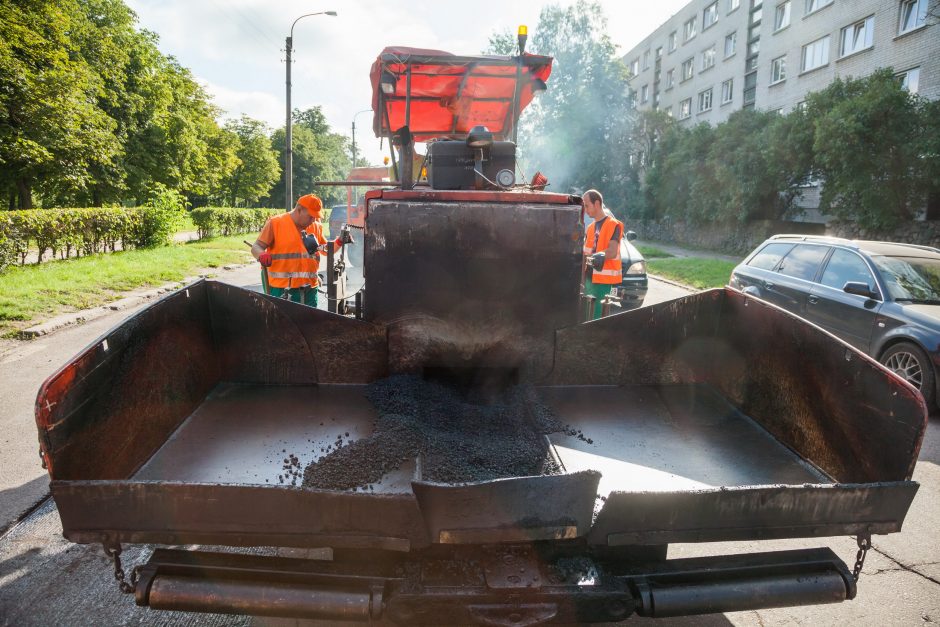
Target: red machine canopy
(449, 94)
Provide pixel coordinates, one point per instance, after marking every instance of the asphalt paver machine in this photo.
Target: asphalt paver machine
(710, 418)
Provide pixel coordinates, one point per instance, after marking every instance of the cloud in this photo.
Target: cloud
(257, 104)
(237, 46)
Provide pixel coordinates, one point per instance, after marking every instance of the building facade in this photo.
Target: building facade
(717, 56)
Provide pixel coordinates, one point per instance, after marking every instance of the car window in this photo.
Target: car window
(803, 261)
(769, 255)
(910, 278)
(845, 266)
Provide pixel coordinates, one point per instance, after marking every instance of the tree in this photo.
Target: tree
(50, 127)
(577, 131)
(318, 155)
(867, 150)
(257, 168)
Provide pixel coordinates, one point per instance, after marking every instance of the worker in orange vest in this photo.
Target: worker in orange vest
(601, 253)
(288, 269)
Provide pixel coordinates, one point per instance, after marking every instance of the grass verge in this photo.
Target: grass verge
(651, 252)
(698, 272)
(34, 292)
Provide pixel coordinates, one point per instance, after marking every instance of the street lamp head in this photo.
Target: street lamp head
(333, 13)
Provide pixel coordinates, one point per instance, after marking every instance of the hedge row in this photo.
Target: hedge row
(84, 231)
(212, 221)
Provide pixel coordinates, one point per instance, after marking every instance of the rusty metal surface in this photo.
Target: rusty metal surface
(472, 284)
(107, 411)
(509, 510)
(755, 512)
(235, 515)
(262, 339)
(668, 439)
(835, 407)
(832, 404)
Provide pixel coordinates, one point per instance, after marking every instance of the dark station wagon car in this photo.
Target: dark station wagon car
(881, 297)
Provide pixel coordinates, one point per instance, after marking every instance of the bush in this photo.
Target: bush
(158, 220)
(85, 231)
(212, 221)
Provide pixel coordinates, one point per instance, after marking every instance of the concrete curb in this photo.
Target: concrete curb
(674, 283)
(86, 315)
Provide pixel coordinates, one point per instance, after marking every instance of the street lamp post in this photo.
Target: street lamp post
(356, 192)
(289, 157)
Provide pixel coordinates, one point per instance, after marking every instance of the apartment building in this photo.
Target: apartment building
(717, 56)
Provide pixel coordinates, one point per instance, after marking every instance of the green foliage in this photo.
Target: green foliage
(213, 221)
(318, 155)
(50, 127)
(91, 113)
(698, 272)
(868, 148)
(257, 168)
(39, 290)
(158, 220)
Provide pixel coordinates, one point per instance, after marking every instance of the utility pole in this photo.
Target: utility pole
(289, 148)
(356, 189)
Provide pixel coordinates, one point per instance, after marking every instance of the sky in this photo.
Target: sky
(235, 48)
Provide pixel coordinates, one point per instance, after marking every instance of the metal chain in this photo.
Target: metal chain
(864, 543)
(128, 587)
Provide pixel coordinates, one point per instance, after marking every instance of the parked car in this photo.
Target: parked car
(337, 219)
(881, 297)
(633, 286)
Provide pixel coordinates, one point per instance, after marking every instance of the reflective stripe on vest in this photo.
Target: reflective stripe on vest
(291, 265)
(612, 272)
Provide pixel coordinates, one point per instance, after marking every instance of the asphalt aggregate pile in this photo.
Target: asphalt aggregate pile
(458, 437)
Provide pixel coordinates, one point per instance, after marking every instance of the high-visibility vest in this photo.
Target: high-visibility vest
(291, 264)
(612, 272)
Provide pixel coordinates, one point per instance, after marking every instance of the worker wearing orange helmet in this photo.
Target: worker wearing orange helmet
(288, 249)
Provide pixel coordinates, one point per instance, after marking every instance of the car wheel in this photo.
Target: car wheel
(910, 363)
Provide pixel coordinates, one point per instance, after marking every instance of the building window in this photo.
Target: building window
(756, 15)
(800, 106)
(670, 78)
(708, 58)
(750, 89)
(710, 15)
(782, 16)
(815, 54)
(733, 5)
(687, 69)
(910, 80)
(688, 30)
(913, 15)
(753, 47)
(635, 67)
(673, 41)
(778, 70)
(727, 91)
(631, 100)
(815, 5)
(659, 52)
(669, 112)
(644, 93)
(646, 60)
(751, 64)
(705, 101)
(685, 108)
(731, 42)
(857, 37)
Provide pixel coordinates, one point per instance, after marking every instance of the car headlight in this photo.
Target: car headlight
(637, 268)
